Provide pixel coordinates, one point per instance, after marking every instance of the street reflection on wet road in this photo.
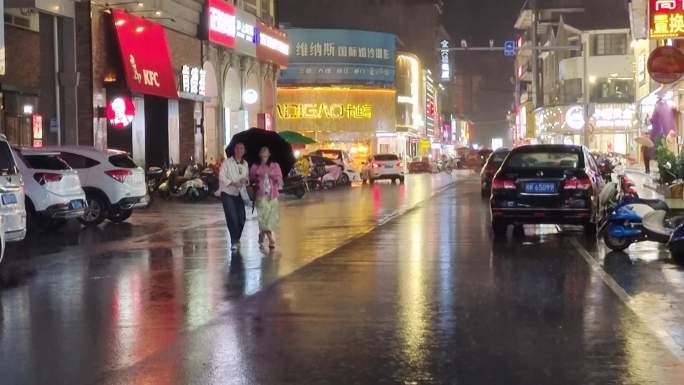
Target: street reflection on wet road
(427, 297)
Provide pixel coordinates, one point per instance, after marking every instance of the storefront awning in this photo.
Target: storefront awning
(145, 55)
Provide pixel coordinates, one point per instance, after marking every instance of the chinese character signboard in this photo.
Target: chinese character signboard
(193, 80)
(666, 19)
(221, 23)
(145, 55)
(319, 56)
(272, 45)
(445, 69)
(245, 33)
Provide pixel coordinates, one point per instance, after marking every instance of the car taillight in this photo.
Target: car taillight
(503, 184)
(399, 164)
(119, 175)
(45, 177)
(578, 184)
(376, 165)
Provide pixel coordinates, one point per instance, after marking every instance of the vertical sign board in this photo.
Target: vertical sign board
(445, 69)
(666, 19)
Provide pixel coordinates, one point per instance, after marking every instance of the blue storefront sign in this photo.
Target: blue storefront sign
(329, 57)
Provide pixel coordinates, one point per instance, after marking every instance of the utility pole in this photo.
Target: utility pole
(535, 56)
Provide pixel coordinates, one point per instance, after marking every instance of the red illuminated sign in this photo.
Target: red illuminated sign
(666, 18)
(145, 55)
(120, 112)
(666, 64)
(37, 123)
(272, 45)
(221, 23)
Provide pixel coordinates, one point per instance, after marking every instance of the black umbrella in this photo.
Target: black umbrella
(255, 138)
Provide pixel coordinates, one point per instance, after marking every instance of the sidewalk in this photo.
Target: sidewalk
(646, 187)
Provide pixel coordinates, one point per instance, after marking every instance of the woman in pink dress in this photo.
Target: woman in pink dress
(267, 177)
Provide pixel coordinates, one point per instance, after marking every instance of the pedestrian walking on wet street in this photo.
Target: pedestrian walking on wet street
(233, 182)
(268, 179)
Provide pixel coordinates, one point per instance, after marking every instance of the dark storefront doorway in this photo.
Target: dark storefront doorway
(157, 131)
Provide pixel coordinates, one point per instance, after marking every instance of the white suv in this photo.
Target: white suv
(383, 166)
(12, 209)
(114, 185)
(53, 190)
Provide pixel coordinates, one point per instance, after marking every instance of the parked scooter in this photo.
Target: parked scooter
(154, 176)
(295, 185)
(189, 186)
(625, 216)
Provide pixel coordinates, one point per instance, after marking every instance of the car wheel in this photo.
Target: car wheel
(371, 181)
(119, 215)
(615, 243)
(499, 229)
(344, 180)
(96, 212)
(401, 180)
(518, 231)
(300, 192)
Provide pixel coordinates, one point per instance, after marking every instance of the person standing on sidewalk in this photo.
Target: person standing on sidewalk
(233, 181)
(268, 179)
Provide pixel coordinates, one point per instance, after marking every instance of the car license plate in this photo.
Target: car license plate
(540, 188)
(76, 205)
(9, 199)
(388, 166)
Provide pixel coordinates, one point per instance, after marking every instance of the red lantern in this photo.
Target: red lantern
(120, 112)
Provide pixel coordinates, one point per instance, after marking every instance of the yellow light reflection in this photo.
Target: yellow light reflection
(412, 296)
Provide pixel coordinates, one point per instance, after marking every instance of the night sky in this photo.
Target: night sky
(474, 20)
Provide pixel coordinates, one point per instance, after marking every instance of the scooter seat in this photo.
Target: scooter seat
(656, 204)
(654, 226)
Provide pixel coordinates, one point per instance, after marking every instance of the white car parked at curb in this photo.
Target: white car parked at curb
(53, 189)
(114, 185)
(12, 209)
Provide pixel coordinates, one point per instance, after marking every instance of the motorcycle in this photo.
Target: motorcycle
(154, 177)
(295, 185)
(189, 186)
(625, 215)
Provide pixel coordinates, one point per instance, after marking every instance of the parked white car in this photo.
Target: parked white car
(52, 188)
(12, 209)
(114, 185)
(383, 166)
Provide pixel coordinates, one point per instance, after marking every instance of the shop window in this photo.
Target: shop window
(571, 91)
(609, 44)
(612, 91)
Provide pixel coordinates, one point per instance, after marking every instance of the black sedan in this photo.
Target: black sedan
(490, 168)
(546, 184)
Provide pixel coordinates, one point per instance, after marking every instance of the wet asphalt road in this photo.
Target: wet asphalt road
(381, 284)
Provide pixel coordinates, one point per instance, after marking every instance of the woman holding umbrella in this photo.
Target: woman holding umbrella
(267, 177)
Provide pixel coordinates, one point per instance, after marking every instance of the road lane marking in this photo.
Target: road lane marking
(648, 320)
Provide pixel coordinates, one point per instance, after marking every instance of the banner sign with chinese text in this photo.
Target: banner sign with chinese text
(666, 19)
(321, 56)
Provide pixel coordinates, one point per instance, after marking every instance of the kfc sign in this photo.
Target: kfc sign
(221, 23)
(666, 19)
(145, 54)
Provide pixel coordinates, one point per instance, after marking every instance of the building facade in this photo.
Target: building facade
(165, 81)
(584, 91)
